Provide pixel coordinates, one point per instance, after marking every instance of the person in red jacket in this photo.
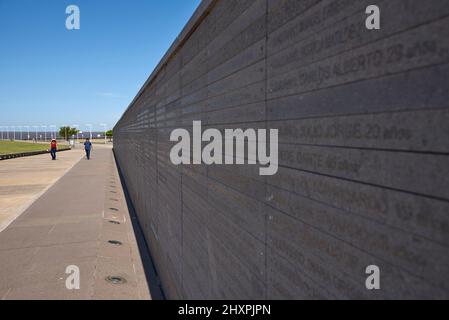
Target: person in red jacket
(53, 149)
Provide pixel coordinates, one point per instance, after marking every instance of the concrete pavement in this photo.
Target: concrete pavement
(23, 180)
(72, 224)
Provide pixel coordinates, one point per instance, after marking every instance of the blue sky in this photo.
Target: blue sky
(52, 76)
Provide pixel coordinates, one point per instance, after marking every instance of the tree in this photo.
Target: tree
(109, 134)
(67, 132)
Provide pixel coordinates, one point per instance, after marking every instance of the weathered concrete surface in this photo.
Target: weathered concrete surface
(70, 225)
(363, 151)
(23, 180)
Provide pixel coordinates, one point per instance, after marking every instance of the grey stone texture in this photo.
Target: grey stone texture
(363, 119)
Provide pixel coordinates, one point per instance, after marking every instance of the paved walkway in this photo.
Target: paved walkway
(23, 180)
(70, 224)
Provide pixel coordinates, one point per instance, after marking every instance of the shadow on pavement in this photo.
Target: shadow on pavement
(151, 275)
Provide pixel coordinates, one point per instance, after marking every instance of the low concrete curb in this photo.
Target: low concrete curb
(27, 154)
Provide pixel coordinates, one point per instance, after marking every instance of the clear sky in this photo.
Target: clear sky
(52, 76)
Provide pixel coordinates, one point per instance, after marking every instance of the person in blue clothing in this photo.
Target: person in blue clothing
(88, 148)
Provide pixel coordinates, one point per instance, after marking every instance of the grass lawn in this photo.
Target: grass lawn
(8, 147)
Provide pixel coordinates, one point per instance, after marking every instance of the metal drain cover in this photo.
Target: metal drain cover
(115, 279)
(115, 242)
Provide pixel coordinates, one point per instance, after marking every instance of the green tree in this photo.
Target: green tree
(109, 134)
(67, 132)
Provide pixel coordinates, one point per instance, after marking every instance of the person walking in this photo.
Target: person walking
(88, 148)
(53, 149)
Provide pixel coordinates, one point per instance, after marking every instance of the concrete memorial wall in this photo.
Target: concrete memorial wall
(363, 175)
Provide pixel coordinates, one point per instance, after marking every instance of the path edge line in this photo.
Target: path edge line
(10, 220)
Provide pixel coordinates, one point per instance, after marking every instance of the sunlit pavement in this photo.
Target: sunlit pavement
(71, 224)
(23, 180)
